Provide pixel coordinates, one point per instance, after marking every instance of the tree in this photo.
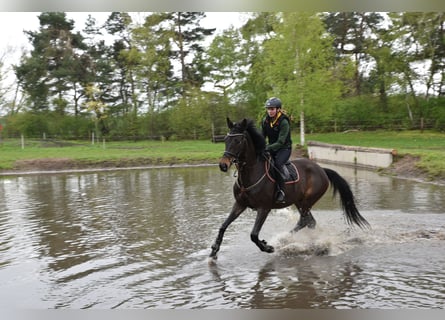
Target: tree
(98, 108)
(383, 76)
(54, 68)
(225, 61)
(420, 51)
(125, 61)
(99, 66)
(155, 72)
(154, 75)
(352, 36)
(187, 35)
(10, 97)
(423, 33)
(253, 90)
(298, 65)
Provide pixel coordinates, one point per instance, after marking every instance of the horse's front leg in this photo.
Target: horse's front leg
(259, 221)
(237, 209)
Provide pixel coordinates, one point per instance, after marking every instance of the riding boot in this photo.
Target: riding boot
(280, 195)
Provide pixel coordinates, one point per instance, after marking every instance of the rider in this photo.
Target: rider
(276, 128)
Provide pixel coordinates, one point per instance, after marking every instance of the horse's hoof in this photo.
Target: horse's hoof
(212, 261)
(269, 249)
(265, 247)
(296, 229)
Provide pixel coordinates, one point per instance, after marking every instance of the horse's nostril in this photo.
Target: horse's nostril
(223, 167)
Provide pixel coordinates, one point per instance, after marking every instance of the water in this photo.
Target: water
(140, 239)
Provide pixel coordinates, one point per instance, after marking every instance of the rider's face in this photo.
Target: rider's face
(272, 112)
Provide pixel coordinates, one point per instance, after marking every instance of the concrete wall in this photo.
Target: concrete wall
(349, 155)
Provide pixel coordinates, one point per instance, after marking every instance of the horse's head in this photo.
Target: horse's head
(236, 144)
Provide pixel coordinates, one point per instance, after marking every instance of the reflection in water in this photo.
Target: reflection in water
(140, 239)
(295, 283)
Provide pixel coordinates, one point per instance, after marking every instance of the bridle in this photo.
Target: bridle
(229, 154)
(235, 159)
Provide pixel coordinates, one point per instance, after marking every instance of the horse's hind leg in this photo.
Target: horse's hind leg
(237, 209)
(306, 220)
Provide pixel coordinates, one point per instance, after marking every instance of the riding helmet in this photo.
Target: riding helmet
(273, 103)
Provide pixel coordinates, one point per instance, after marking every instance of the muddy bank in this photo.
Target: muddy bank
(62, 165)
(403, 167)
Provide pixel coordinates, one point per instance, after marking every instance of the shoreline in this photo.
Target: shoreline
(90, 169)
(404, 168)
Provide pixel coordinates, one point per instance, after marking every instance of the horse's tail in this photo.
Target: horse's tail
(347, 199)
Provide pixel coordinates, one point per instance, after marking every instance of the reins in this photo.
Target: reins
(244, 189)
(240, 166)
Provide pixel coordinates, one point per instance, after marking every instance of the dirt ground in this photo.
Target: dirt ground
(406, 167)
(59, 164)
(44, 165)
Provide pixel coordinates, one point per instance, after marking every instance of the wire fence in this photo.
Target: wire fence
(216, 134)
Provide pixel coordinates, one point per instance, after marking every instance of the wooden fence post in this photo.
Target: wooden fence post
(302, 134)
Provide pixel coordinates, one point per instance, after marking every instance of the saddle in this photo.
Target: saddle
(289, 172)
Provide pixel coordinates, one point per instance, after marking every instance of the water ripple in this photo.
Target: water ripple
(140, 239)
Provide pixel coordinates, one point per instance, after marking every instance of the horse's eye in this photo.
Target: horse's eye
(239, 140)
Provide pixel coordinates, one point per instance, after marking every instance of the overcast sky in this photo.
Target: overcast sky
(13, 39)
(13, 24)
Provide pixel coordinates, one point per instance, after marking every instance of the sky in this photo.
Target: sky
(13, 24)
(13, 40)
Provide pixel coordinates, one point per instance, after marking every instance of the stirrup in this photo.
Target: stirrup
(280, 197)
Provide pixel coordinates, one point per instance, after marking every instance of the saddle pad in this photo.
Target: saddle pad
(291, 172)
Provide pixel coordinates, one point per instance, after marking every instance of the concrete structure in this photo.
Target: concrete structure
(350, 155)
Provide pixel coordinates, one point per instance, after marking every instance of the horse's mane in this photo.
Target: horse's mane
(257, 137)
(248, 125)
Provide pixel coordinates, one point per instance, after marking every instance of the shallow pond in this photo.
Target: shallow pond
(140, 239)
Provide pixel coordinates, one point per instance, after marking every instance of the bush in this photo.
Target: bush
(28, 124)
(70, 127)
(35, 125)
(195, 117)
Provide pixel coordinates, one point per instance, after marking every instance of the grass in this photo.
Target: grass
(429, 146)
(82, 152)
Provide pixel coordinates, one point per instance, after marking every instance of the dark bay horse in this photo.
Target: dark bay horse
(255, 189)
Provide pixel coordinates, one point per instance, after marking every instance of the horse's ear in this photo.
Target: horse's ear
(244, 124)
(229, 123)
